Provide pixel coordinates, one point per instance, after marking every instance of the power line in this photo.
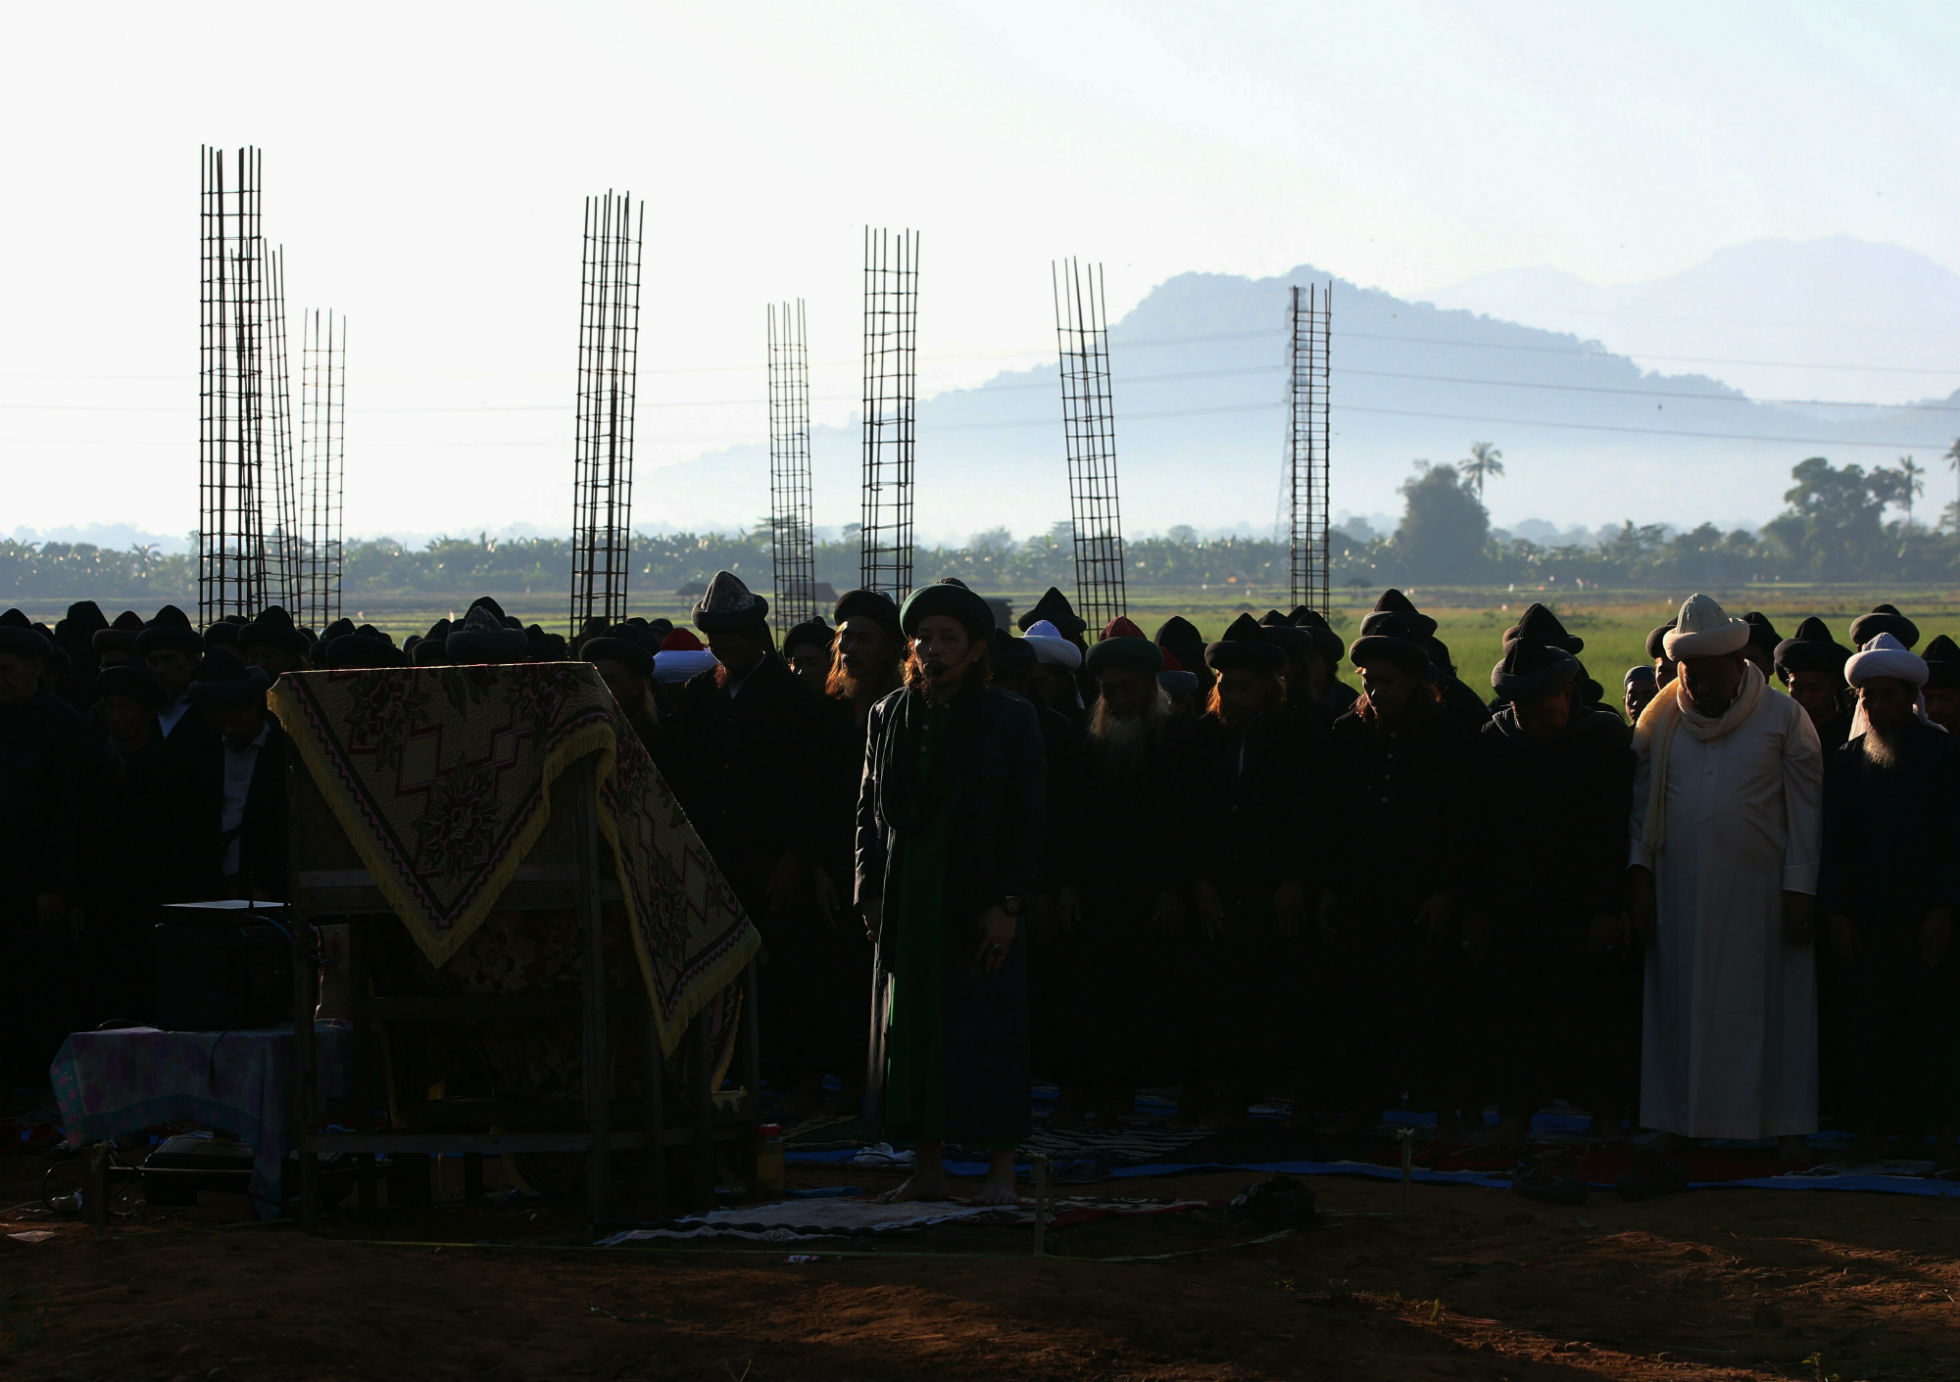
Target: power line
(1269, 370)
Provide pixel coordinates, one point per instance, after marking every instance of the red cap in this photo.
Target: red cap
(1121, 627)
(680, 641)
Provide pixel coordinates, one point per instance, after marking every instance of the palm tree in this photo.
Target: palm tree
(1912, 484)
(1952, 458)
(1486, 460)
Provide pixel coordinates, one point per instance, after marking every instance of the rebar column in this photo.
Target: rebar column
(281, 493)
(1310, 323)
(608, 374)
(792, 537)
(322, 465)
(891, 378)
(231, 543)
(1089, 437)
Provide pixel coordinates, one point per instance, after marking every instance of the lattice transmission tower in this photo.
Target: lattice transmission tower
(322, 465)
(281, 527)
(1311, 321)
(792, 538)
(608, 373)
(1089, 434)
(891, 381)
(231, 565)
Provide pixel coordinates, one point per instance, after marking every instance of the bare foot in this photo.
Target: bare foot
(919, 1187)
(998, 1189)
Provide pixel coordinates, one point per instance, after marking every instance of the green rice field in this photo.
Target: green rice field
(1471, 621)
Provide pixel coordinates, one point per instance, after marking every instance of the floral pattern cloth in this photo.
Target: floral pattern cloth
(443, 779)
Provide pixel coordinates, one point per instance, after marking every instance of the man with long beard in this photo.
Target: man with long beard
(1725, 826)
(1252, 846)
(1887, 889)
(950, 821)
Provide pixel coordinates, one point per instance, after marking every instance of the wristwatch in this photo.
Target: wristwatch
(1012, 904)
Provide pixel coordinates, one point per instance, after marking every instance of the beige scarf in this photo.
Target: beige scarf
(1669, 711)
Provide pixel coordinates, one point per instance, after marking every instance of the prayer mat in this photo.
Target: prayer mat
(442, 778)
(795, 1220)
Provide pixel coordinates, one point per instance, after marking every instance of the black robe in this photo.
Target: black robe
(1403, 833)
(1891, 853)
(993, 802)
(1249, 998)
(749, 770)
(131, 852)
(1560, 1020)
(1054, 958)
(1101, 990)
(262, 844)
(50, 761)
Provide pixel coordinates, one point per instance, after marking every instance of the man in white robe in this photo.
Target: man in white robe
(1726, 830)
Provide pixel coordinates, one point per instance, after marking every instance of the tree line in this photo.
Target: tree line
(1839, 523)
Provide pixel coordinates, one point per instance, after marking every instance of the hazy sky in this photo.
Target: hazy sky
(424, 167)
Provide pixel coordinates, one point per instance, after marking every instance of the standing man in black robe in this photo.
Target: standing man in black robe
(1888, 887)
(126, 846)
(1556, 974)
(171, 649)
(47, 759)
(950, 822)
(866, 654)
(1400, 841)
(740, 731)
(1053, 949)
(240, 821)
(1251, 848)
(1120, 908)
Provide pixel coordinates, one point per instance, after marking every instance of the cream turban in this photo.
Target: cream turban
(1885, 656)
(1704, 630)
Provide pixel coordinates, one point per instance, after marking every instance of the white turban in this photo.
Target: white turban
(1704, 630)
(1885, 656)
(1050, 647)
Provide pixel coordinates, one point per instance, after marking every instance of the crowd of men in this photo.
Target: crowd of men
(1702, 907)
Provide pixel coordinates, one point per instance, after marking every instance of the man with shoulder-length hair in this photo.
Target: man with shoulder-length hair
(1725, 829)
(949, 838)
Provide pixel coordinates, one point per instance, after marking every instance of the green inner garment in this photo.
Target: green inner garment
(915, 1065)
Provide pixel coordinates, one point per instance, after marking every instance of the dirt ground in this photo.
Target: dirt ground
(1447, 1282)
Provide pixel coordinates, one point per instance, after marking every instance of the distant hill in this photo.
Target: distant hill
(1775, 318)
(1199, 385)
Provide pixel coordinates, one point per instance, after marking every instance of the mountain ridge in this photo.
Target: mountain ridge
(1198, 372)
